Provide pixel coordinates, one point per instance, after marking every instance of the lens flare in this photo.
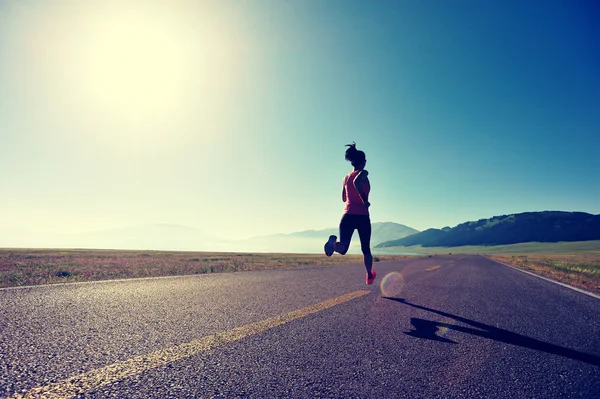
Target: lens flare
(391, 284)
(442, 331)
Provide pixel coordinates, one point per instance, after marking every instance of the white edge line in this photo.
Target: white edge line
(547, 279)
(116, 280)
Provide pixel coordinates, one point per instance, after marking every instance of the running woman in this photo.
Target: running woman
(355, 193)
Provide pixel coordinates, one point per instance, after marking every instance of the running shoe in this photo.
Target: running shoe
(330, 245)
(370, 280)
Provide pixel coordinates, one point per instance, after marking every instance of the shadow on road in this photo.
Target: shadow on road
(427, 329)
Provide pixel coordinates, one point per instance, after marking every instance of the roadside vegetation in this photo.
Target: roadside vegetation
(577, 264)
(22, 267)
(581, 270)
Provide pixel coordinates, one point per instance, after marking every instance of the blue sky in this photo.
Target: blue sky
(231, 117)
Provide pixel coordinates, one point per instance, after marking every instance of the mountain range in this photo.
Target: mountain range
(153, 236)
(311, 241)
(546, 226)
(172, 237)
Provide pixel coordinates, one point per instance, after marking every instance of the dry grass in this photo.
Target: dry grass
(20, 267)
(581, 271)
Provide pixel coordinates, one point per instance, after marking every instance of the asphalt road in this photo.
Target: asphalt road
(440, 327)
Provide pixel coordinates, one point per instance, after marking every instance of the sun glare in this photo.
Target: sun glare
(132, 67)
(126, 74)
(144, 71)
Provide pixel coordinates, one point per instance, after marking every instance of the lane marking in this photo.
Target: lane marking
(432, 268)
(120, 370)
(547, 279)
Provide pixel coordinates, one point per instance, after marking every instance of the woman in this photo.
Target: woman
(355, 193)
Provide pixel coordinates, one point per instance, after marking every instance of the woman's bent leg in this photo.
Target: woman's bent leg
(347, 226)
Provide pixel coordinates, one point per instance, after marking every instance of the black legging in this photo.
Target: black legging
(362, 223)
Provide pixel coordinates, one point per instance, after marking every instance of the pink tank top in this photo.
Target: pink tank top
(354, 204)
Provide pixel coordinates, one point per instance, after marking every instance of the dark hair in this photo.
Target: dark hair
(354, 156)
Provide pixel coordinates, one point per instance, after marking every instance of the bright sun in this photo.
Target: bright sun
(130, 73)
(132, 67)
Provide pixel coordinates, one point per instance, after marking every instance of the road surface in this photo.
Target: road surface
(440, 327)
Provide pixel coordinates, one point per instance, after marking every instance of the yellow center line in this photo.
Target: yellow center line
(432, 268)
(97, 378)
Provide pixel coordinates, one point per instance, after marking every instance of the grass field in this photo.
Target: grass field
(20, 267)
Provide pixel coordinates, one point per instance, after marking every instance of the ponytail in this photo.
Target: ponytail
(354, 156)
(351, 151)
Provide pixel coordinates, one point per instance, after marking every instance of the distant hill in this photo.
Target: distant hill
(159, 236)
(172, 237)
(311, 241)
(547, 226)
(380, 232)
(152, 236)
